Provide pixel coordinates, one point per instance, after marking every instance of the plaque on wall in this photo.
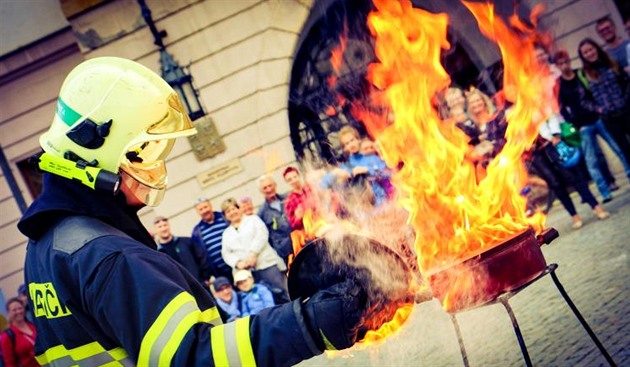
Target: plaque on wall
(219, 173)
(207, 142)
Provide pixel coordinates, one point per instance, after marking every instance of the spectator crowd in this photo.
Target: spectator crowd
(592, 100)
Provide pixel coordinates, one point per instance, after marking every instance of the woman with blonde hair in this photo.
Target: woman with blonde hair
(245, 245)
(491, 125)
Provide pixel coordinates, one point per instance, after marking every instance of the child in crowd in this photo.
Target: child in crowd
(254, 297)
(226, 298)
(369, 165)
(367, 147)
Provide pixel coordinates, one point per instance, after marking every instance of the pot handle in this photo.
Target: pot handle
(547, 236)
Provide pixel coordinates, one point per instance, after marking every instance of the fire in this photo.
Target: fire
(336, 57)
(388, 328)
(456, 215)
(376, 337)
(319, 224)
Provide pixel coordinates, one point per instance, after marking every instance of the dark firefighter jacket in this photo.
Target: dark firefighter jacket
(102, 294)
(190, 255)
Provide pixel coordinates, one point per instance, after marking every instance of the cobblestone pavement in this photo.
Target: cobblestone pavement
(594, 269)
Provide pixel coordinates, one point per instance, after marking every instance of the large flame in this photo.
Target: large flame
(456, 214)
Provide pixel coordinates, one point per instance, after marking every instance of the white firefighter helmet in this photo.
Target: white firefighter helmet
(120, 116)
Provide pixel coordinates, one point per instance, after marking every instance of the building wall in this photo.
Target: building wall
(30, 81)
(240, 54)
(570, 21)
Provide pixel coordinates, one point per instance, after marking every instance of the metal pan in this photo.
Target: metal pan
(481, 279)
(374, 267)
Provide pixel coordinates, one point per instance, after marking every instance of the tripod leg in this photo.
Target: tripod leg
(517, 331)
(460, 340)
(585, 325)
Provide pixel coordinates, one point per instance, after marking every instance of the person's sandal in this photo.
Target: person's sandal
(602, 215)
(577, 225)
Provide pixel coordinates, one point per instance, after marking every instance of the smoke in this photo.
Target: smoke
(371, 245)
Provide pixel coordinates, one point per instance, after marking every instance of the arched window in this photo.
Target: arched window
(320, 99)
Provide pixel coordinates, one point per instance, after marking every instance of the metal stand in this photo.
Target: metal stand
(460, 340)
(517, 330)
(505, 297)
(578, 315)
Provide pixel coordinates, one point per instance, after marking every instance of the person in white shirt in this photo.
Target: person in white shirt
(245, 245)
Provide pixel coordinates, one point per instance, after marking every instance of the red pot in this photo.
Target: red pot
(482, 278)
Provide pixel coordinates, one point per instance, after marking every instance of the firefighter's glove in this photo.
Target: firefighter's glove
(335, 315)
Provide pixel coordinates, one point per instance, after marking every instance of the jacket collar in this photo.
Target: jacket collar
(61, 198)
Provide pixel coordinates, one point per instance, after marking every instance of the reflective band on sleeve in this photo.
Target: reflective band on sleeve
(88, 355)
(231, 344)
(244, 343)
(211, 316)
(171, 338)
(217, 340)
(164, 337)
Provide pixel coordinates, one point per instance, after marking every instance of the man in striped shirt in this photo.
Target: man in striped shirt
(208, 233)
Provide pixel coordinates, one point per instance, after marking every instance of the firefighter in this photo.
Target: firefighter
(100, 291)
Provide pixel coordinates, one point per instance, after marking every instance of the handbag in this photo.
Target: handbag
(570, 134)
(568, 156)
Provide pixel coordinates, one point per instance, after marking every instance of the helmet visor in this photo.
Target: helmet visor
(176, 119)
(146, 194)
(150, 151)
(152, 174)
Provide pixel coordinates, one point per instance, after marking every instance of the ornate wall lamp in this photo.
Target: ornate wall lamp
(207, 142)
(175, 75)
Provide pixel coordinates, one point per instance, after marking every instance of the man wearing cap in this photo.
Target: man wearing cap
(208, 233)
(183, 249)
(253, 297)
(227, 299)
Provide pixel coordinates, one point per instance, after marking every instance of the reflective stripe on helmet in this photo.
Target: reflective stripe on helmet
(161, 342)
(231, 344)
(92, 354)
(66, 113)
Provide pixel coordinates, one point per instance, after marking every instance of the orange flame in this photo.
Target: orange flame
(336, 54)
(388, 328)
(376, 337)
(456, 216)
(336, 57)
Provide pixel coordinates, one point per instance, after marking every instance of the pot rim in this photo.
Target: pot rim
(487, 253)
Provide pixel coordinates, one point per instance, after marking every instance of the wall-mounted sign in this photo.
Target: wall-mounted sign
(207, 142)
(219, 173)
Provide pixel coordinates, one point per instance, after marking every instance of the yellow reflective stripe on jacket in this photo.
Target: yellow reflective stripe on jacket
(92, 354)
(163, 338)
(231, 344)
(211, 316)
